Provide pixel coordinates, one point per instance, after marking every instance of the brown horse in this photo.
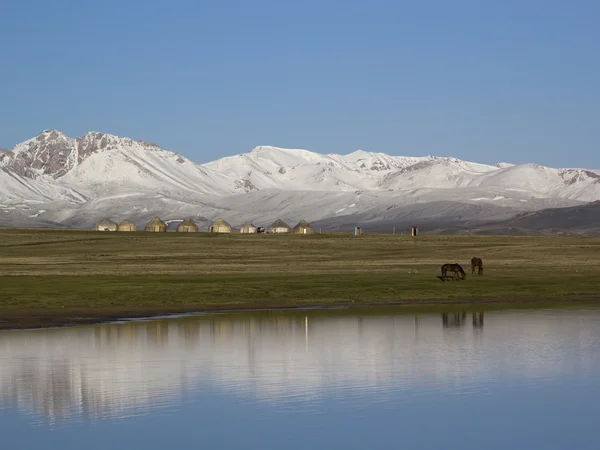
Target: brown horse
(476, 262)
(459, 273)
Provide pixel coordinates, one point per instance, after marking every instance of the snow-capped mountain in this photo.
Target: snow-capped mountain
(55, 179)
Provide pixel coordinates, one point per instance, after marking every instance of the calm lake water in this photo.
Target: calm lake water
(523, 379)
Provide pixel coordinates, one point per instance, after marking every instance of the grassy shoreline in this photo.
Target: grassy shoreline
(48, 275)
(30, 318)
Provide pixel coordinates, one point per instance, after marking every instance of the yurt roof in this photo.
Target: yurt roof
(156, 221)
(106, 221)
(188, 221)
(220, 222)
(303, 223)
(127, 222)
(248, 224)
(279, 223)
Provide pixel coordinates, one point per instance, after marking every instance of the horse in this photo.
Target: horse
(459, 273)
(476, 262)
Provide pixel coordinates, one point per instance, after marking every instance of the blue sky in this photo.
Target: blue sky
(511, 80)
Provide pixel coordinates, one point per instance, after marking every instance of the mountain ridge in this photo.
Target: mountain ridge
(55, 179)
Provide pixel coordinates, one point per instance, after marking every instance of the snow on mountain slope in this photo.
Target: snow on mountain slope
(75, 181)
(292, 169)
(435, 173)
(24, 200)
(17, 188)
(100, 164)
(276, 168)
(361, 160)
(123, 165)
(542, 181)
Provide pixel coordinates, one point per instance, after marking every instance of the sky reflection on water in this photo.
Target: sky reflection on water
(337, 379)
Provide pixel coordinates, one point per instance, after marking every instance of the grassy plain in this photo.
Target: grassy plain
(54, 273)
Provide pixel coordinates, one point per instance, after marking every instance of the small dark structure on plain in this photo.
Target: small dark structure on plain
(414, 231)
(476, 262)
(357, 231)
(459, 273)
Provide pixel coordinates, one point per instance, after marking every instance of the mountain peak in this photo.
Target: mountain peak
(49, 153)
(52, 153)
(356, 154)
(51, 133)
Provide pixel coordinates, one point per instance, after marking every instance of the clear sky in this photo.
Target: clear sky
(483, 80)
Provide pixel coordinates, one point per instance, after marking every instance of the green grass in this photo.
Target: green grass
(83, 269)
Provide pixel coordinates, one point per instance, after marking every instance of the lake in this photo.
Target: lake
(378, 378)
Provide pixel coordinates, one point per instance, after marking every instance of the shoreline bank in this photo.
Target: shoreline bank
(45, 318)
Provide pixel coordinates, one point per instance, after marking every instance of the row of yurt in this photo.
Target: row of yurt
(109, 225)
(280, 227)
(156, 225)
(188, 226)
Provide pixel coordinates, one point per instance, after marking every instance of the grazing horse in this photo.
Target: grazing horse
(459, 273)
(476, 262)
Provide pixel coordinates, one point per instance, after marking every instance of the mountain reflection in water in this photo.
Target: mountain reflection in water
(123, 369)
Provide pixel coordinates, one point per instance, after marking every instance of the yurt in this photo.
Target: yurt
(156, 226)
(248, 228)
(127, 225)
(105, 225)
(187, 226)
(220, 226)
(303, 227)
(279, 226)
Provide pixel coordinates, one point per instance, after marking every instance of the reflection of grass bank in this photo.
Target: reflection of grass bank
(52, 269)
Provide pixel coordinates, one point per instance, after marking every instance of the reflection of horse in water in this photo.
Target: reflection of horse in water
(459, 273)
(477, 262)
(458, 320)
